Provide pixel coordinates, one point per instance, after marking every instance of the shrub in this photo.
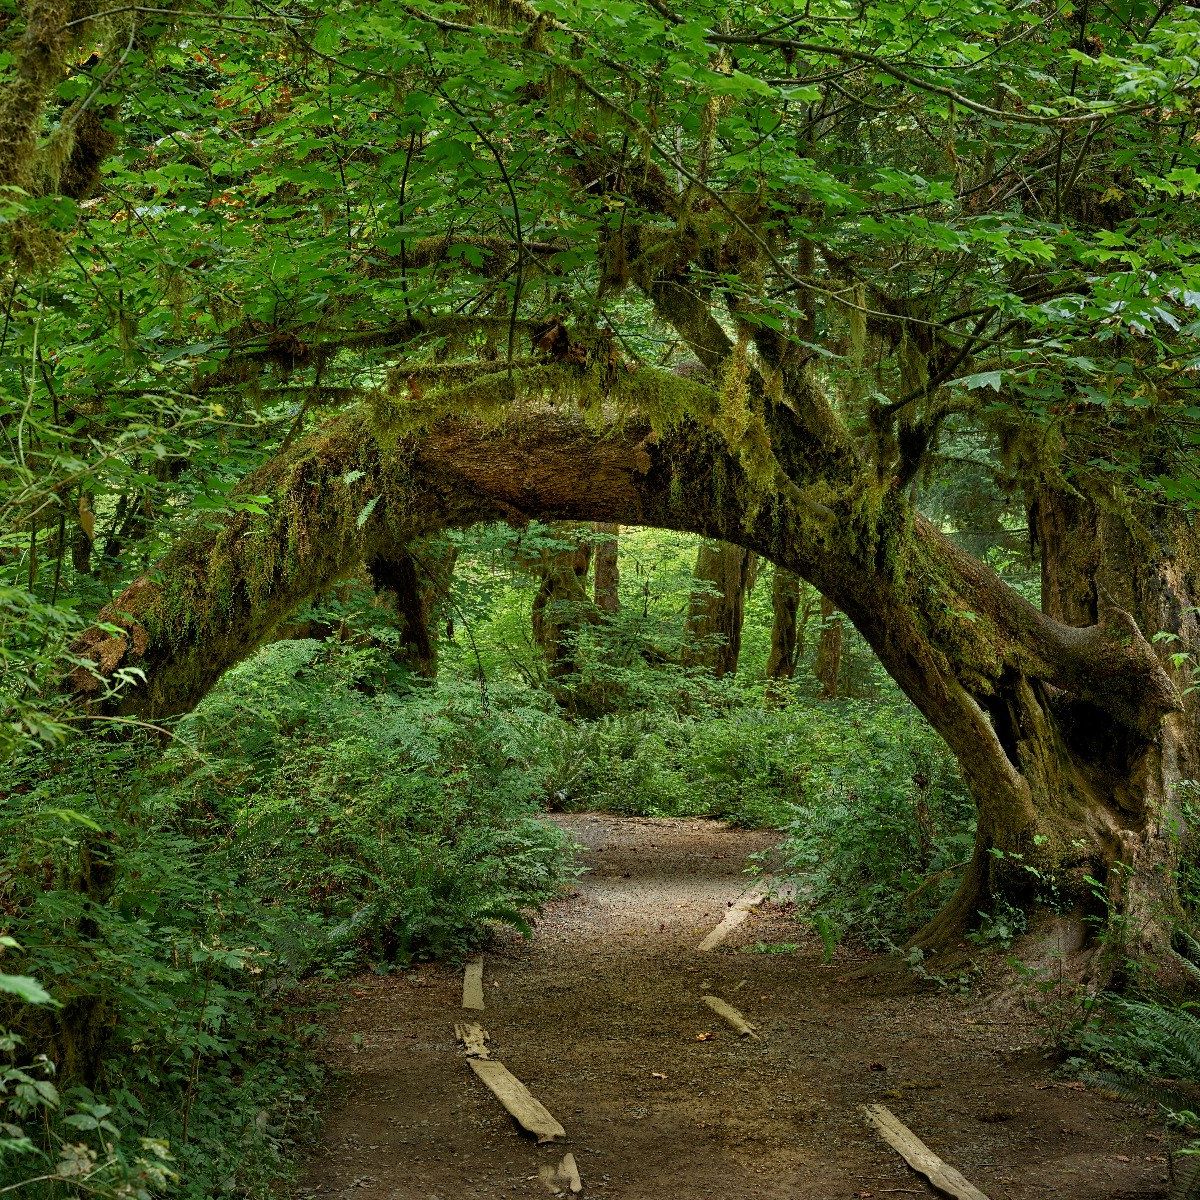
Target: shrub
(172, 901)
(884, 825)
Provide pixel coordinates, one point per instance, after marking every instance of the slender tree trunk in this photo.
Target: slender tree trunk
(787, 634)
(827, 664)
(716, 613)
(792, 606)
(607, 579)
(562, 604)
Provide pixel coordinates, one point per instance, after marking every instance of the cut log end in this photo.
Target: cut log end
(737, 913)
(731, 1015)
(473, 985)
(562, 1176)
(474, 1039)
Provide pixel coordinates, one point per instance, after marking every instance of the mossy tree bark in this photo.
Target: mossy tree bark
(1100, 556)
(607, 569)
(718, 608)
(827, 663)
(562, 604)
(788, 625)
(1011, 689)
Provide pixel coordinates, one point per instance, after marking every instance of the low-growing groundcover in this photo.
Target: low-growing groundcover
(173, 900)
(324, 811)
(319, 813)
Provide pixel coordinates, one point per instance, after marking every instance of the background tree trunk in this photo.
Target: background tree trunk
(562, 604)
(787, 637)
(414, 582)
(607, 580)
(791, 607)
(827, 663)
(716, 613)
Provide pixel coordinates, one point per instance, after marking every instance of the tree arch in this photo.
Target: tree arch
(1071, 738)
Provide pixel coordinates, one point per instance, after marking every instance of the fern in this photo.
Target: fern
(1151, 1054)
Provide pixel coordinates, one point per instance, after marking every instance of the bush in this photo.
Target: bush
(173, 902)
(885, 823)
(1149, 1050)
(402, 823)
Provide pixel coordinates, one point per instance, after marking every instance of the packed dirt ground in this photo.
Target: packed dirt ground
(601, 1014)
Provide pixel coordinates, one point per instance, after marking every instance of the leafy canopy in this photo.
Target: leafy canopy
(975, 216)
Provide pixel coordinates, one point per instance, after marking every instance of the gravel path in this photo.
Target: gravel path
(601, 1015)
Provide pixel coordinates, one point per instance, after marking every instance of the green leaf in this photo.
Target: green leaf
(984, 379)
(25, 988)
(367, 510)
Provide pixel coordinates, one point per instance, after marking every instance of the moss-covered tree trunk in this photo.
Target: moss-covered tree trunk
(562, 605)
(1099, 557)
(718, 607)
(607, 570)
(1072, 738)
(787, 626)
(827, 662)
(1067, 735)
(414, 582)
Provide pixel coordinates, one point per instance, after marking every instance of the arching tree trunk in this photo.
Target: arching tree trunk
(827, 663)
(717, 611)
(415, 583)
(1071, 739)
(607, 573)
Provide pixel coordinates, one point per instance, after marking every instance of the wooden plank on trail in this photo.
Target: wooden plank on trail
(738, 911)
(562, 1177)
(528, 1112)
(474, 1039)
(728, 1013)
(473, 984)
(919, 1156)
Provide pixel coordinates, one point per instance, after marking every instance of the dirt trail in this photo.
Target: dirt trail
(600, 1016)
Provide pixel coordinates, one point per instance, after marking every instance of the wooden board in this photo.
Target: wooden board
(728, 1013)
(918, 1156)
(562, 1177)
(473, 984)
(474, 1039)
(737, 912)
(528, 1112)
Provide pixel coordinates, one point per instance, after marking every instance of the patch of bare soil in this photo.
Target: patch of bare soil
(601, 1014)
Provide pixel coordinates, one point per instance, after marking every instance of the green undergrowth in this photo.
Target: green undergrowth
(309, 819)
(322, 812)
(887, 825)
(1146, 1049)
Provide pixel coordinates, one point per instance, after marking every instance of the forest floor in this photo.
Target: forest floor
(600, 1014)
